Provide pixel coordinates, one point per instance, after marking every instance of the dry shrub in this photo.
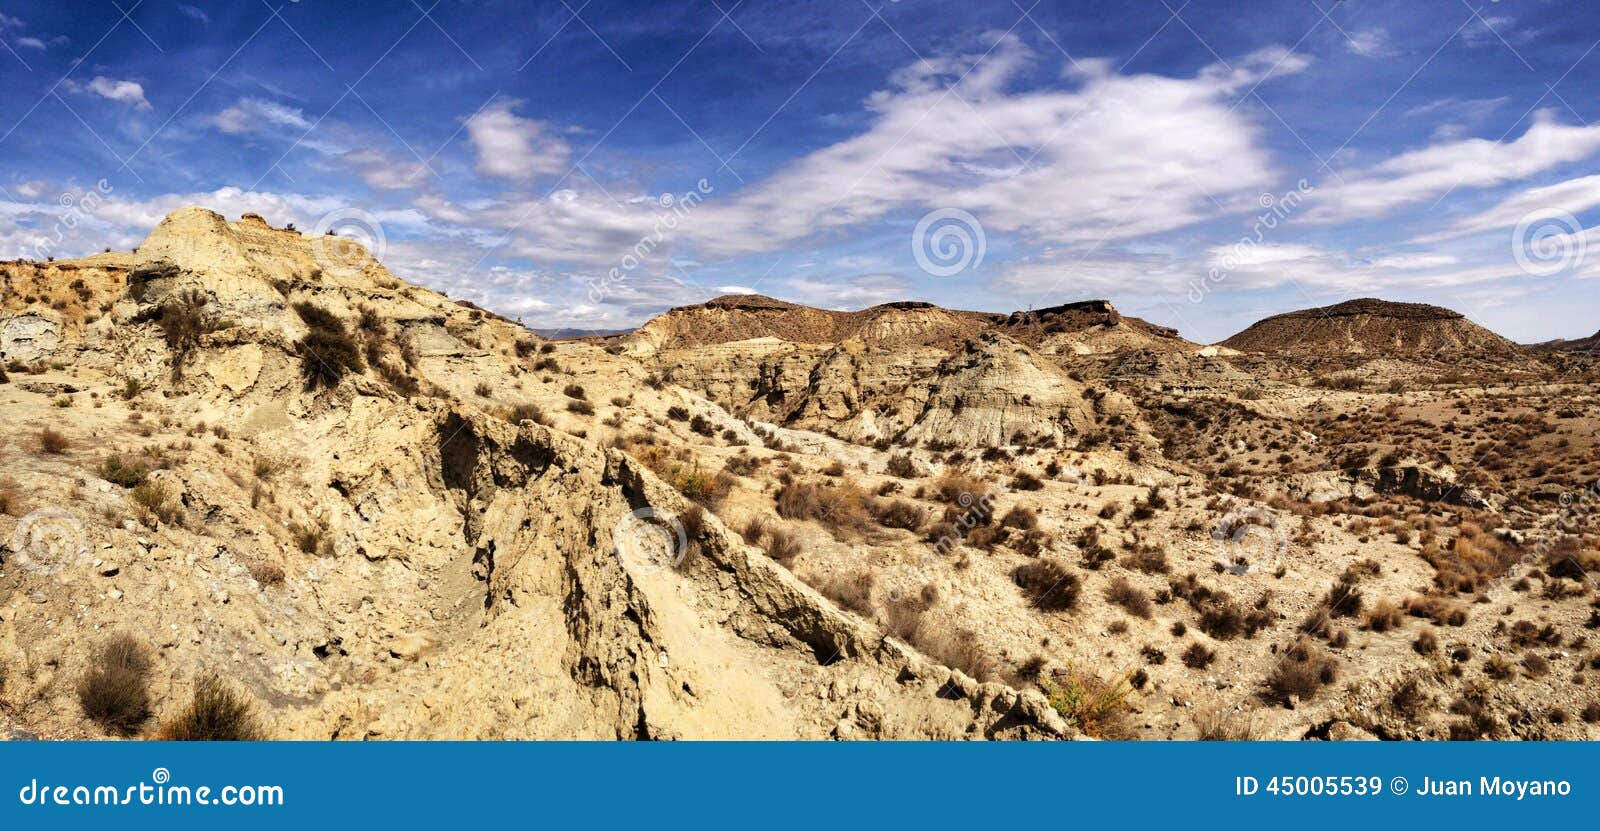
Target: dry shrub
(1301, 671)
(53, 442)
(901, 467)
(155, 502)
(961, 489)
(1021, 518)
(268, 574)
(1219, 724)
(958, 649)
(1383, 616)
(851, 590)
(328, 350)
(518, 413)
(217, 713)
(1569, 559)
(1048, 584)
(898, 513)
(1471, 560)
(1198, 656)
(1129, 597)
(113, 692)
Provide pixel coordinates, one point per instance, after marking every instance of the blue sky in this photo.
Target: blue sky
(1201, 164)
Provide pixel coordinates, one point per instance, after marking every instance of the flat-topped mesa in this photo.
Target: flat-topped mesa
(1088, 327)
(1374, 327)
(741, 317)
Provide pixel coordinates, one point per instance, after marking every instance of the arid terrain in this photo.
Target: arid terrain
(252, 484)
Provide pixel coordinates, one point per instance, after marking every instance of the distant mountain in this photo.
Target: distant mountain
(571, 332)
(1588, 344)
(1370, 326)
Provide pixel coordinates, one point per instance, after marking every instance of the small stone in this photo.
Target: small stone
(38, 597)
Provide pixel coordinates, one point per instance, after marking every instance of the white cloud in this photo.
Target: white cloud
(253, 115)
(194, 13)
(854, 293)
(1117, 157)
(1572, 197)
(512, 147)
(31, 43)
(383, 172)
(123, 92)
(1425, 174)
(1370, 43)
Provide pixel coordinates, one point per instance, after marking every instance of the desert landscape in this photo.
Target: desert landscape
(255, 486)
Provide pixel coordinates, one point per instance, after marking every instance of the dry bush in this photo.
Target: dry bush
(901, 467)
(184, 320)
(154, 502)
(1383, 616)
(851, 590)
(217, 713)
(1198, 656)
(799, 500)
(1569, 559)
(1218, 724)
(898, 513)
(1048, 584)
(1301, 671)
(958, 649)
(1021, 518)
(578, 407)
(1129, 597)
(1148, 559)
(113, 692)
(328, 350)
(53, 442)
(961, 489)
(518, 413)
(268, 574)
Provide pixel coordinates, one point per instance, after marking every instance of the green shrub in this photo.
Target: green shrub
(121, 473)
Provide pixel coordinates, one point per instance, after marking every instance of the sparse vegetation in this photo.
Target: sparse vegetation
(217, 713)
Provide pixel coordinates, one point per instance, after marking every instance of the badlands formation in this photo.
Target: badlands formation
(249, 463)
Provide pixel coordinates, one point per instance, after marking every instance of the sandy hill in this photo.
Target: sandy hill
(1586, 345)
(1370, 326)
(379, 513)
(1088, 327)
(739, 317)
